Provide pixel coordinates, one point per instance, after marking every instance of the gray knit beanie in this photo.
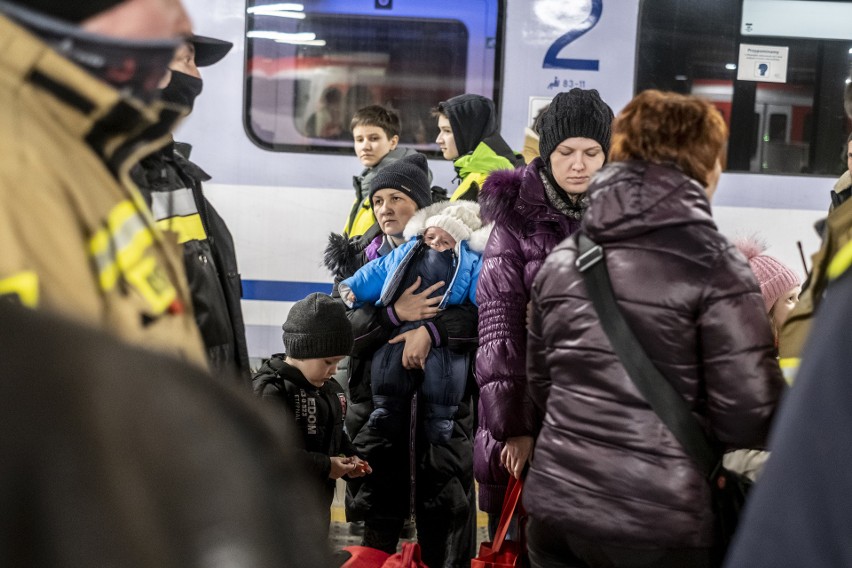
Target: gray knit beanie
(409, 175)
(576, 114)
(317, 327)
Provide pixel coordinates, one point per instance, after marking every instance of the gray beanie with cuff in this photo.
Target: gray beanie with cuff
(410, 175)
(317, 327)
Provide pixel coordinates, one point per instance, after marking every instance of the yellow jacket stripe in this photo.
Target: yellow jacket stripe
(122, 248)
(187, 228)
(24, 285)
(789, 366)
(841, 262)
(176, 211)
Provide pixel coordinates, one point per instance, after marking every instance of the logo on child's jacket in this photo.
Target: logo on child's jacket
(306, 409)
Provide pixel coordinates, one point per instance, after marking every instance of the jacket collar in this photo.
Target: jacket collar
(631, 198)
(290, 373)
(119, 129)
(482, 160)
(518, 199)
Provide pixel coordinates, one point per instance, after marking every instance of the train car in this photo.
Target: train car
(272, 124)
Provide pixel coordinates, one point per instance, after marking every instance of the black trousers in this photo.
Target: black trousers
(443, 543)
(551, 548)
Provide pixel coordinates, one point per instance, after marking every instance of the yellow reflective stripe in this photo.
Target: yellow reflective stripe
(24, 285)
(789, 366)
(121, 244)
(840, 262)
(187, 228)
(123, 248)
(149, 278)
(122, 225)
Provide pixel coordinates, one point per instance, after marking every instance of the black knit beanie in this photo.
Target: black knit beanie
(74, 11)
(409, 175)
(317, 327)
(576, 114)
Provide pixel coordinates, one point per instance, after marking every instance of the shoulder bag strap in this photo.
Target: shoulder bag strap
(657, 391)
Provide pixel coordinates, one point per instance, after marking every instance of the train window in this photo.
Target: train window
(797, 126)
(311, 65)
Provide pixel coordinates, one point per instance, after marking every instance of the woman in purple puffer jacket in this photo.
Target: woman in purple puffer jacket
(533, 209)
(609, 484)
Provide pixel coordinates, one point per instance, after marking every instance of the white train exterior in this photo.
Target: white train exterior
(283, 187)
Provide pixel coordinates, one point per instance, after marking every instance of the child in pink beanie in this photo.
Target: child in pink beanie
(779, 285)
(780, 288)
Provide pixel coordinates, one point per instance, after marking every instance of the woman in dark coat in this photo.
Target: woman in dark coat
(609, 483)
(411, 477)
(533, 209)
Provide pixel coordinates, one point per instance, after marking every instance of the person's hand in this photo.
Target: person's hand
(418, 343)
(350, 297)
(515, 454)
(414, 307)
(340, 466)
(362, 468)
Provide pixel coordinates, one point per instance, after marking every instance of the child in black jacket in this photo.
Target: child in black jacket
(317, 335)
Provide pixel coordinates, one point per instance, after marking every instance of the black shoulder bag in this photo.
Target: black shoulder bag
(728, 489)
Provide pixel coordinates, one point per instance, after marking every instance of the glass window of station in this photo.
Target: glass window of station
(775, 69)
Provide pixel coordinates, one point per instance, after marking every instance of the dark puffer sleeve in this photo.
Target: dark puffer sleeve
(501, 359)
(744, 381)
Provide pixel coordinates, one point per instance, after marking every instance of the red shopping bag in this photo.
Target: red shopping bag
(366, 557)
(502, 553)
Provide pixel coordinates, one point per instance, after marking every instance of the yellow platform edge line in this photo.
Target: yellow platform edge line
(338, 515)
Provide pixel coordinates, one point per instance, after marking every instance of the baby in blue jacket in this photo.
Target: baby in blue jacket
(445, 244)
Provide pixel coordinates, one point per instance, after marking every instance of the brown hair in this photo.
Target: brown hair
(375, 115)
(668, 127)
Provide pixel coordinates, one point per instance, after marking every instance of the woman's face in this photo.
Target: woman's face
(573, 163)
(393, 210)
(784, 305)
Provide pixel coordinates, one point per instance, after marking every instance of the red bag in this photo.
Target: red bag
(502, 553)
(366, 557)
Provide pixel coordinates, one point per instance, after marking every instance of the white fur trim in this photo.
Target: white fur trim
(479, 238)
(415, 225)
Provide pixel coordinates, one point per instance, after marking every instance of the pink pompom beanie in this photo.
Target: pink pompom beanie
(775, 278)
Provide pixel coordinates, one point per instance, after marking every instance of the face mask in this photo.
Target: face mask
(133, 67)
(182, 89)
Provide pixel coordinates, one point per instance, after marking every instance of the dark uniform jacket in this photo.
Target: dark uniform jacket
(171, 185)
(318, 413)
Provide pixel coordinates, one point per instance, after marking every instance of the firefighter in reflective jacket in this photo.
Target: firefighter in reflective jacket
(76, 238)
